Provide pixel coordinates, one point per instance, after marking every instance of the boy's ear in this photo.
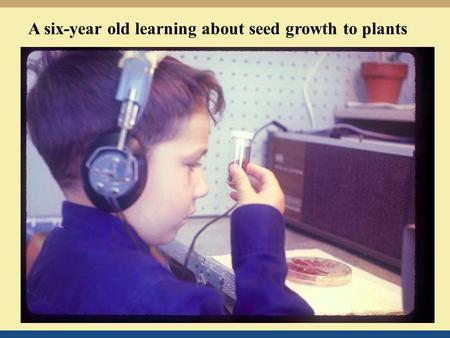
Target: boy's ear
(113, 179)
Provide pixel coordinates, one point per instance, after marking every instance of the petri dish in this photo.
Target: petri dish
(318, 271)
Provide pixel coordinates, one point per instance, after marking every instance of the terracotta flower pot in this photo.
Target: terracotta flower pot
(383, 80)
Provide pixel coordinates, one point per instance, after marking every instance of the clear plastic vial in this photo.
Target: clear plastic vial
(241, 144)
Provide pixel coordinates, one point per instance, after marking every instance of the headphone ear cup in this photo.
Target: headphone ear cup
(114, 179)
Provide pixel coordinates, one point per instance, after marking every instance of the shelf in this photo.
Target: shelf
(380, 114)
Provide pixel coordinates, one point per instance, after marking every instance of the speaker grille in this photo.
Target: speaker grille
(358, 195)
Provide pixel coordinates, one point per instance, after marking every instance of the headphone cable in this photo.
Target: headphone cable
(191, 247)
(116, 207)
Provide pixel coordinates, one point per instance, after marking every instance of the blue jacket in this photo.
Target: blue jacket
(91, 265)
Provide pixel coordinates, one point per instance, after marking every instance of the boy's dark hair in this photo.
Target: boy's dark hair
(72, 103)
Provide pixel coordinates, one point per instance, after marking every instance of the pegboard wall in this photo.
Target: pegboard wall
(259, 86)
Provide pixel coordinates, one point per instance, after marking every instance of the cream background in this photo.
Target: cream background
(426, 27)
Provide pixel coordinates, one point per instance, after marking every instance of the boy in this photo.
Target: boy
(98, 262)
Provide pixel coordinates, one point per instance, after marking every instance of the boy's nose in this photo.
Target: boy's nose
(201, 188)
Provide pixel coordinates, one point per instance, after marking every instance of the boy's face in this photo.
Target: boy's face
(175, 180)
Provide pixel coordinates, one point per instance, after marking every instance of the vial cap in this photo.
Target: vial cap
(241, 134)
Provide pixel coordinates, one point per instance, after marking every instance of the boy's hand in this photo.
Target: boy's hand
(259, 185)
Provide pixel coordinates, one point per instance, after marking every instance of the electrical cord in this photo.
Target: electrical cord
(115, 205)
(309, 77)
(275, 123)
(191, 247)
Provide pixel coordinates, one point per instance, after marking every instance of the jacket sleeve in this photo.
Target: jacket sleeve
(259, 263)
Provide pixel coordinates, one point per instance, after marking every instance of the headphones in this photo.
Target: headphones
(114, 170)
